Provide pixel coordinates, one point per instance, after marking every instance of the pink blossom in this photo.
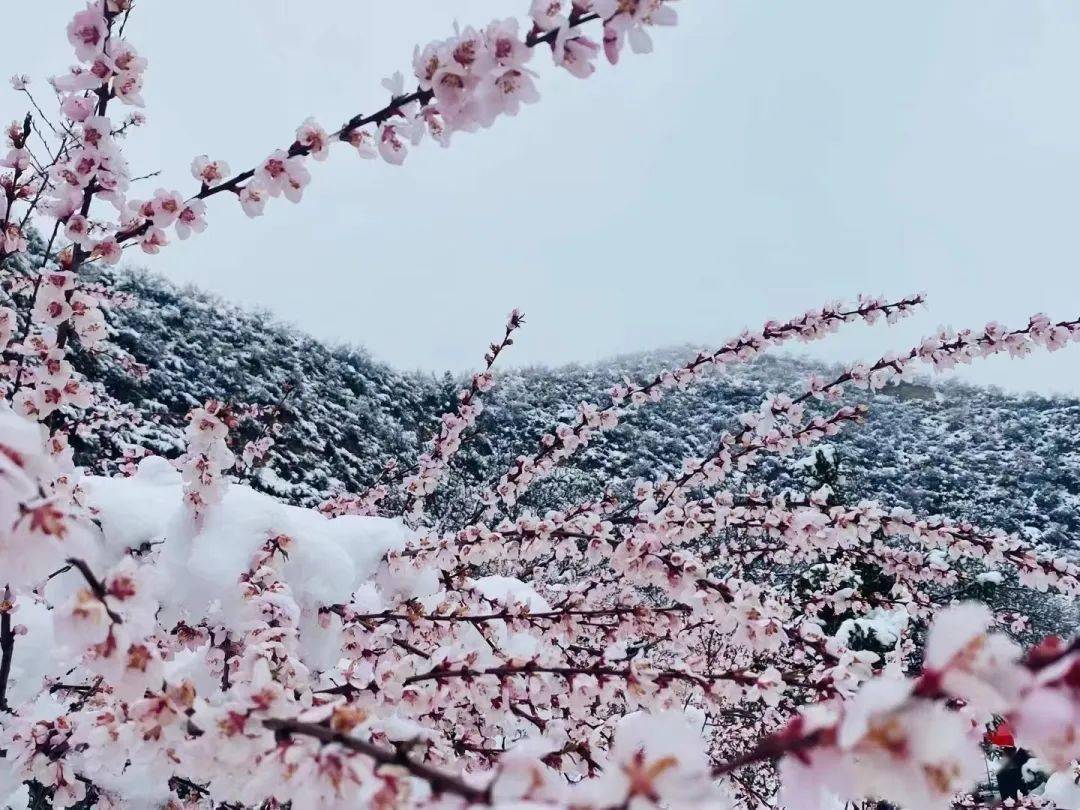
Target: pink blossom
(209, 172)
(165, 208)
(504, 44)
(153, 240)
(575, 53)
(282, 173)
(314, 138)
(128, 88)
(87, 32)
(125, 58)
(510, 90)
(392, 148)
(12, 239)
(78, 231)
(364, 143)
(548, 14)
(655, 758)
(78, 108)
(96, 130)
(395, 84)
(192, 219)
(78, 79)
(253, 198)
(17, 158)
(8, 322)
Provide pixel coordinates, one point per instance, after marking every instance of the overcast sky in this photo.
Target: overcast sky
(768, 157)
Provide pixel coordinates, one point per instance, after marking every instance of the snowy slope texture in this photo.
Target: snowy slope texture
(1000, 460)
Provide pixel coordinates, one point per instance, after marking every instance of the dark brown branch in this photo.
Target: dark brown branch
(441, 783)
(82, 688)
(226, 651)
(185, 787)
(507, 616)
(599, 672)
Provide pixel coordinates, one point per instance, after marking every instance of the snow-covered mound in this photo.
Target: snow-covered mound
(196, 568)
(327, 560)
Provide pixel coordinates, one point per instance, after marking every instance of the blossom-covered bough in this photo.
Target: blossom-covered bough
(174, 638)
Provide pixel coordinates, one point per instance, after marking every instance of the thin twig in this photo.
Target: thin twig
(96, 587)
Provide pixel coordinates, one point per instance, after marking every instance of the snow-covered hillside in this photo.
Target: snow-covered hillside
(1001, 460)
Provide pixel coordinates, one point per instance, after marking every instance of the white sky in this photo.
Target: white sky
(768, 157)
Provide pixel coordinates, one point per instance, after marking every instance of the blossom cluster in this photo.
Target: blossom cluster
(484, 688)
(897, 738)
(83, 165)
(39, 521)
(569, 659)
(464, 83)
(948, 349)
(208, 456)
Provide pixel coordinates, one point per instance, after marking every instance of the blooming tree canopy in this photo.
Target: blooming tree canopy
(172, 638)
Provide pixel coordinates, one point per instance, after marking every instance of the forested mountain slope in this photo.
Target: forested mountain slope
(997, 459)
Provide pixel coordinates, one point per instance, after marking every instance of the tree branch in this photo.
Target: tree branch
(418, 96)
(441, 783)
